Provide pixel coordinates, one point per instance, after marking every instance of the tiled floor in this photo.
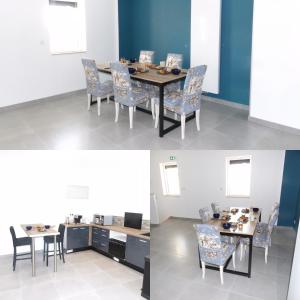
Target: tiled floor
(85, 275)
(64, 123)
(175, 272)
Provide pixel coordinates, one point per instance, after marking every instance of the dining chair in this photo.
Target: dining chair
(173, 61)
(146, 57)
(20, 242)
(204, 215)
(262, 236)
(125, 93)
(186, 101)
(60, 242)
(96, 88)
(212, 250)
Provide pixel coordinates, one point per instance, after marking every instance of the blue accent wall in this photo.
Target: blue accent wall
(290, 193)
(164, 26)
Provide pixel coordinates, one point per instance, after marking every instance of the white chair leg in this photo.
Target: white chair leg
(134, 109)
(233, 260)
(198, 119)
(241, 252)
(89, 101)
(175, 116)
(156, 115)
(183, 127)
(131, 117)
(153, 108)
(266, 254)
(165, 111)
(117, 106)
(147, 104)
(221, 274)
(99, 105)
(122, 106)
(203, 268)
(108, 96)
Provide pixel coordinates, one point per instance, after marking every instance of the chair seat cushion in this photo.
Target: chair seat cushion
(261, 236)
(140, 95)
(24, 241)
(106, 88)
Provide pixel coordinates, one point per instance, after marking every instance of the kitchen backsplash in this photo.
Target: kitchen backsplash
(119, 221)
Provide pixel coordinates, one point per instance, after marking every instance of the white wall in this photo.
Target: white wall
(206, 40)
(33, 186)
(203, 180)
(28, 70)
(294, 289)
(276, 62)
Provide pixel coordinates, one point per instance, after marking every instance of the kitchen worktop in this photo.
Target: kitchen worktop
(121, 229)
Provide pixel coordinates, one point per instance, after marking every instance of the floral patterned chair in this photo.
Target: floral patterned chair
(94, 87)
(204, 215)
(186, 101)
(125, 93)
(212, 250)
(262, 236)
(146, 57)
(215, 208)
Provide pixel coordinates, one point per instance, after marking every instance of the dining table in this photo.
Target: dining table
(153, 77)
(247, 230)
(39, 231)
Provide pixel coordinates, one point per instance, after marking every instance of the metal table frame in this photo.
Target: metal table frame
(162, 118)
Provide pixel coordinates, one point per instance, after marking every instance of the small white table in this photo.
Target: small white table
(35, 233)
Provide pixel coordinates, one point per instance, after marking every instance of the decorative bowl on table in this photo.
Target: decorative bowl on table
(243, 219)
(246, 211)
(132, 70)
(176, 71)
(226, 218)
(255, 209)
(40, 228)
(29, 227)
(163, 71)
(226, 225)
(47, 226)
(216, 216)
(234, 211)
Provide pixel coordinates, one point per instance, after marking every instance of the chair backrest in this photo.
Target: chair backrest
(215, 208)
(275, 207)
(174, 61)
(193, 88)
(92, 76)
(121, 82)
(146, 57)
(204, 214)
(13, 235)
(61, 230)
(272, 221)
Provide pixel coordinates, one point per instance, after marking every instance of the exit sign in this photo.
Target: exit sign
(172, 158)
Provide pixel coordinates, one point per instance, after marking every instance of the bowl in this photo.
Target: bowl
(28, 227)
(255, 209)
(216, 216)
(226, 225)
(132, 60)
(132, 70)
(176, 71)
(47, 226)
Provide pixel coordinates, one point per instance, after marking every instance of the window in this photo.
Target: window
(170, 179)
(238, 176)
(67, 28)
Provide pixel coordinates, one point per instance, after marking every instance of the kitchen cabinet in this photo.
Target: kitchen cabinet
(77, 237)
(100, 239)
(136, 251)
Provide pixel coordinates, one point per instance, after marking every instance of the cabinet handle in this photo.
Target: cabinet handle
(75, 228)
(82, 228)
(143, 241)
(103, 245)
(104, 235)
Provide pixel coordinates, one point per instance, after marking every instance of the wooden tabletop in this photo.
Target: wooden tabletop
(152, 77)
(35, 233)
(121, 229)
(248, 228)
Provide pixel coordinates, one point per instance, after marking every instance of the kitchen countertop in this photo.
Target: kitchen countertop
(129, 231)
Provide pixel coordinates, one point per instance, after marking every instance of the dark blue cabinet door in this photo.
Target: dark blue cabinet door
(77, 237)
(100, 239)
(136, 250)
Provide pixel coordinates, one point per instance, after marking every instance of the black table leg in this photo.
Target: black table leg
(250, 256)
(161, 111)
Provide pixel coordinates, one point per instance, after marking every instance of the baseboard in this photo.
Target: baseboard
(269, 124)
(41, 100)
(226, 102)
(185, 219)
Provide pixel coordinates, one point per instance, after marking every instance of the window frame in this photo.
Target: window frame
(80, 4)
(164, 179)
(227, 164)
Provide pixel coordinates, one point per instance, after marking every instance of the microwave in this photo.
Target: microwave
(103, 220)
